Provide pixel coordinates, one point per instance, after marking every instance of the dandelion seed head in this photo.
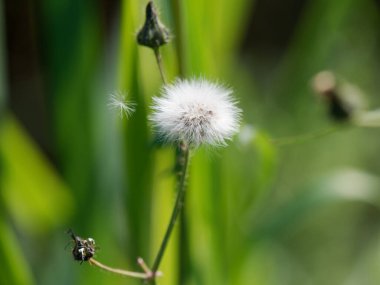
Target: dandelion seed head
(196, 111)
(118, 102)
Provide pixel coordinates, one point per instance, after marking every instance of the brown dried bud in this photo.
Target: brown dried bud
(325, 84)
(153, 34)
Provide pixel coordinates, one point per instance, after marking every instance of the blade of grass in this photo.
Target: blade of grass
(27, 177)
(14, 268)
(138, 145)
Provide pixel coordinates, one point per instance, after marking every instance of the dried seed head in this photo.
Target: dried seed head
(83, 249)
(325, 84)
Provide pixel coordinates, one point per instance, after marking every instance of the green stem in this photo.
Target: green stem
(157, 54)
(183, 249)
(305, 137)
(184, 161)
(183, 246)
(181, 158)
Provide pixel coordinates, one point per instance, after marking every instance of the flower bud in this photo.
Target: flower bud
(153, 34)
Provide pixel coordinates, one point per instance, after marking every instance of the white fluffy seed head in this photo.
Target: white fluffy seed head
(118, 102)
(196, 111)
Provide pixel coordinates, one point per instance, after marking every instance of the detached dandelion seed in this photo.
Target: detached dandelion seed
(197, 112)
(118, 102)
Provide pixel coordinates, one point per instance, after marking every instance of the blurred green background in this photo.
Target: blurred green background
(256, 212)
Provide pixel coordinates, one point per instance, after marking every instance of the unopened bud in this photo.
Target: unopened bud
(153, 34)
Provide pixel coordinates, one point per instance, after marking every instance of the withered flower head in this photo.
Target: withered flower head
(153, 34)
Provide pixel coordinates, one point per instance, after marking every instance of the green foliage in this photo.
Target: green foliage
(14, 269)
(265, 210)
(33, 193)
(2, 65)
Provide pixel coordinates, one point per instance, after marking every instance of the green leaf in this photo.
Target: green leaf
(138, 144)
(34, 194)
(14, 269)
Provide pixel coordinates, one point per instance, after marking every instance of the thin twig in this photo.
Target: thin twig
(123, 272)
(144, 267)
(177, 207)
(160, 64)
(304, 137)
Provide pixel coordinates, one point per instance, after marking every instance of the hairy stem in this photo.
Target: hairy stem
(160, 64)
(183, 246)
(184, 160)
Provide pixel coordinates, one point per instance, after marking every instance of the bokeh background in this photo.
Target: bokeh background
(256, 212)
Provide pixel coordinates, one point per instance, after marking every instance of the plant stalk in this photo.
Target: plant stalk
(157, 54)
(184, 161)
(123, 272)
(304, 137)
(184, 262)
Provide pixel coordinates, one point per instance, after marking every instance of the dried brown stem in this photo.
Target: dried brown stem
(146, 276)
